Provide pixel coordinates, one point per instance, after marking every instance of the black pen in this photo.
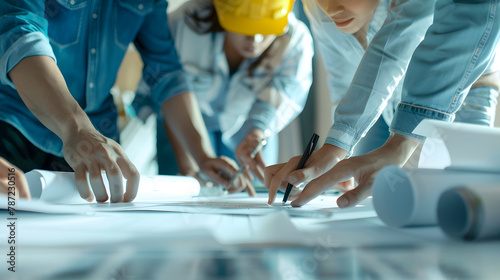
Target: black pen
(309, 150)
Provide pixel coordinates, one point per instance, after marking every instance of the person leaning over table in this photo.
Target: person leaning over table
(251, 74)
(58, 62)
(435, 88)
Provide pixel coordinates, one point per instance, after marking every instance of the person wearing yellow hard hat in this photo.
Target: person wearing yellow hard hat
(250, 65)
(367, 46)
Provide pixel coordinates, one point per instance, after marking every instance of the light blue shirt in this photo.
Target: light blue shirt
(458, 48)
(88, 40)
(235, 104)
(364, 81)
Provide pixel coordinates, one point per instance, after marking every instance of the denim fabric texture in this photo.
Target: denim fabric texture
(88, 40)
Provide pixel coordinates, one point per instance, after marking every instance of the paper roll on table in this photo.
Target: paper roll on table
(470, 212)
(59, 187)
(409, 197)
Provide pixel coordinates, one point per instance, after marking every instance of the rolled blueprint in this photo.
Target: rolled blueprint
(409, 197)
(59, 187)
(470, 212)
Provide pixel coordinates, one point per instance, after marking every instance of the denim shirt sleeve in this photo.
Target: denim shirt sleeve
(381, 69)
(283, 98)
(466, 33)
(23, 33)
(162, 70)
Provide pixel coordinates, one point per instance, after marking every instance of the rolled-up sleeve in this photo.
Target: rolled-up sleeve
(162, 72)
(382, 68)
(457, 50)
(23, 33)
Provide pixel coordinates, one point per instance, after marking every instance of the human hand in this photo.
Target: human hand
(245, 157)
(88, 151)
(12, 180)
(278, 176)
(363, 169)
(221, 170)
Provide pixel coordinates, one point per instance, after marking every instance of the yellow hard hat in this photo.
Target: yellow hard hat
(251, 17)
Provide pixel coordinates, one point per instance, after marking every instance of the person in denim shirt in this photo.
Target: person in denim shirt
(59, 60)
(247, 86)
(344, 135)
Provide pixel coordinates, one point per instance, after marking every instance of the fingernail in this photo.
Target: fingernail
(292, 179)
(342, 202)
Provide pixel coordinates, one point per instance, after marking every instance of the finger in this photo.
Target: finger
(296, 191)
(257, 166)
(248, 174)
(280, 177)
(355, 196)
(260, 165)
(97, 183)
(239, 185)
(269, 173)
(319, 185)
(300, 176)
(82, 184)
(115, 179)
(22, 185)
(219, 178)
(250, 189)
(133, 178)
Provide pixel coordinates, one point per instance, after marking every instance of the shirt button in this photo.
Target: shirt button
(92, 51)
(141, 6)
(72, 2)
(91, 85)
(94, 15)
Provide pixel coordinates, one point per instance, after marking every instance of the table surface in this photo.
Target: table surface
(166, 245)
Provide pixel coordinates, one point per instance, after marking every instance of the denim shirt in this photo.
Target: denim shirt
(365, 81)
(235, 104)
(460, 46)
(88, 40)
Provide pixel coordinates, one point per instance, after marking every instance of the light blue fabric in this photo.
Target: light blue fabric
(457, 49)
(88, 39)
(394, 32)
(235, 104)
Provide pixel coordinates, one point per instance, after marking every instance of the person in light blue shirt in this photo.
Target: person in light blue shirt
(380, 72)
(248, 87)
(343, 52)
(59, 59)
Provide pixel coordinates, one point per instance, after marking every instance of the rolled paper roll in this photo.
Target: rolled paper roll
(470, 212)
(59, 187)
(409, 197)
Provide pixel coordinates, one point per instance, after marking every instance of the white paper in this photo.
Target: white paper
(469, 146)
(409, 197)
(470, 212)
(59, 187)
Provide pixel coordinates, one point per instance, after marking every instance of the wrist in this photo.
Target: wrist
(400, 148)
(333, 152)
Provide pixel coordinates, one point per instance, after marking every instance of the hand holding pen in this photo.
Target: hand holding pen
(308, 151)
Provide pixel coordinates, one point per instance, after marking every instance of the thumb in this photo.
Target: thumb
(355, 196)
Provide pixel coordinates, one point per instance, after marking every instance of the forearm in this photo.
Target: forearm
(183, 157)
(184, 119)
(42, 88)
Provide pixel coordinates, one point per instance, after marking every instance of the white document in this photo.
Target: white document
(470, 212)
(459, 146)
